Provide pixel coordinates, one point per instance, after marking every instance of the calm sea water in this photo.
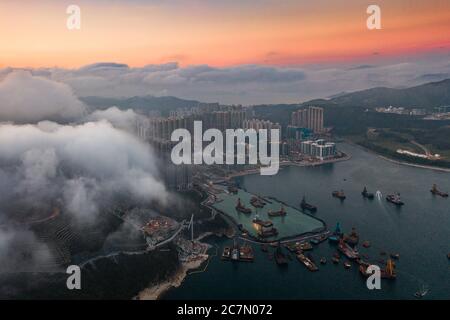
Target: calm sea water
(419, 232)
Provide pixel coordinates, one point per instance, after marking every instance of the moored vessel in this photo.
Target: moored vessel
(257, 203)
(367, 194)
(264, 229)
(280, 213)
(434, 190)
(241, 208)
(306, 206)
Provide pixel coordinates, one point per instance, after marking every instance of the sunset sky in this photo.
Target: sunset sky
(218, 33)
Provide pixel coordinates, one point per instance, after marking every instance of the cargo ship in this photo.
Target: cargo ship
(257, 203)
(434, 190)
(307, 262)
(264, 229)
(241, 208)
(395, 199)
(367, 194)
(348, 251)
(339, 194)
(280, 213)
(387, 273)
(306, 206)
(280, 257)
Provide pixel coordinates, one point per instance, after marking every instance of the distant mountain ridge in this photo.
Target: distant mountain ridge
(145, 104)
(428, 95)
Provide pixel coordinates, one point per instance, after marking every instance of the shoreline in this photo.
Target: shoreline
(288, 164)
(155, 292)
(400, 162)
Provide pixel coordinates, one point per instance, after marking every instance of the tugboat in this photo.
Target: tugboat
(434, 190)
(279, 213)
(306, 206)
(339, 194)
(241, 208)
(280, 257)
(367, 194)
(395, 199)
(347, 265)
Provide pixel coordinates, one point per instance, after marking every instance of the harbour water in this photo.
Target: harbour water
(419, 231)
(294, 223)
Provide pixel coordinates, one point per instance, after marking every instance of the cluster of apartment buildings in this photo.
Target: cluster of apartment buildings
(157, 132)
(310, 118)
(306, 123)
(319, 149)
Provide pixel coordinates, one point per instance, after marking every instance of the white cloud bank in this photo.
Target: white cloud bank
(27, 98)
(249, 84)
(81, 165)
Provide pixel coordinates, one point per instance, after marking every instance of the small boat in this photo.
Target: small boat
(367, 194)
(339, 194)
(395, 199)
(395, 256)
(323, 260)
(336, 258)
(366, 244)
(434, 190)
(421, 292)
(347, 265)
